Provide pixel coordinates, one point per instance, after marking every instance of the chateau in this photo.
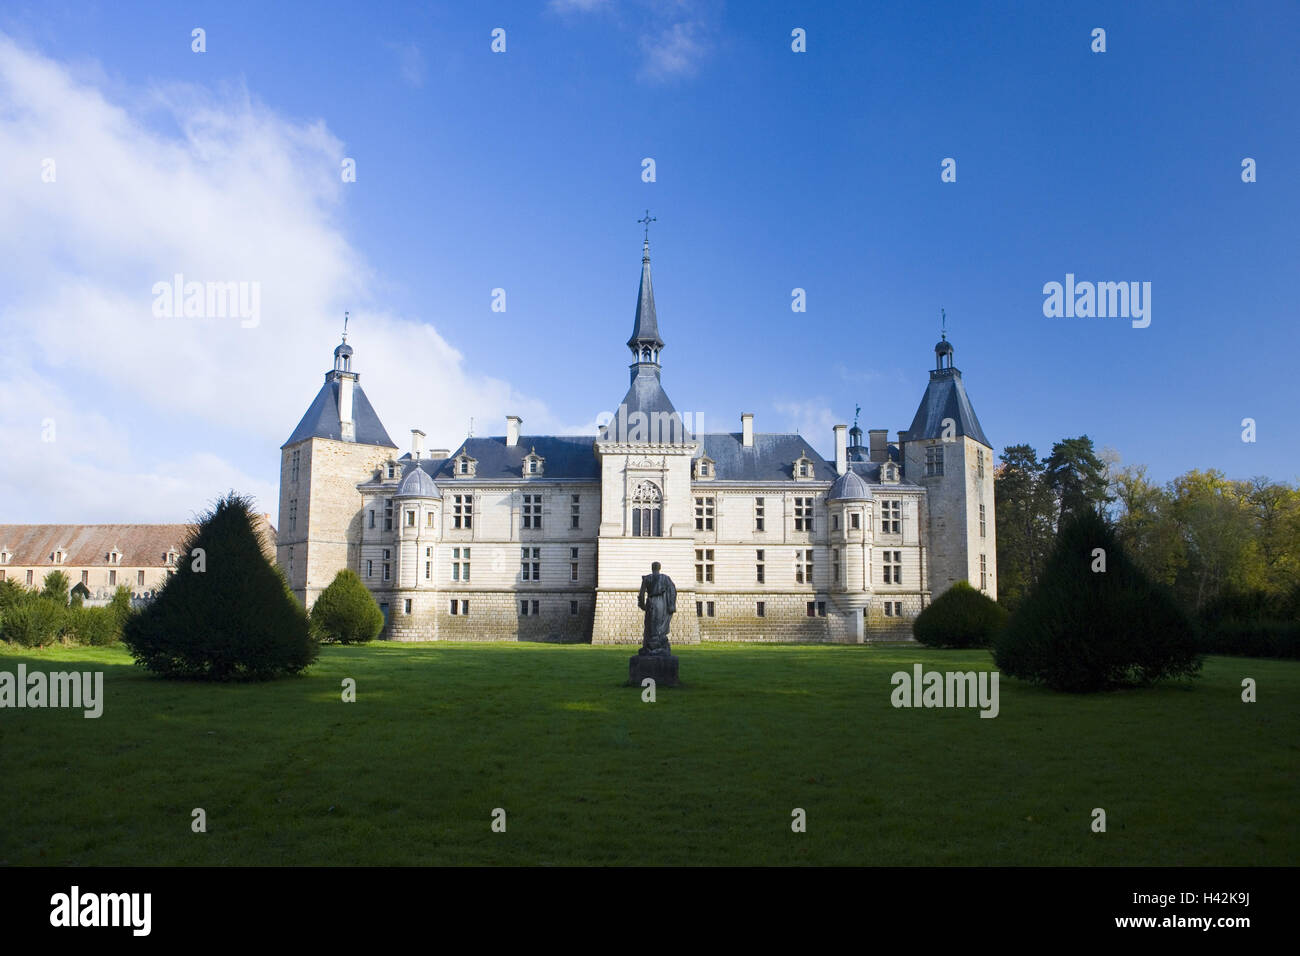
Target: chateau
(546, 537)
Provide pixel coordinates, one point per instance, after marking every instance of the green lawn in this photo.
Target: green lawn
(588, 773)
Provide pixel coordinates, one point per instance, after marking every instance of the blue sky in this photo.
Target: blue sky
(522, 170)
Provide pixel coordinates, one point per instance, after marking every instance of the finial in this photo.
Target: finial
(943, 333)
(647, 220)
(471, 426)
(345, 326)
(857, 410)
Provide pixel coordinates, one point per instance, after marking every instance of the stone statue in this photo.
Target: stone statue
(658, 599)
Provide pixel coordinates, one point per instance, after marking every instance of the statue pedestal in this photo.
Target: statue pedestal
(662, 669)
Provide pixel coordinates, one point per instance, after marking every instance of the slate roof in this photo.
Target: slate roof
(88, 545)
(645, 328)
(849, 486)
(945, 397)
(770, 458)
(646, 394)
(566, 456)
(417, 484)
(322, 418)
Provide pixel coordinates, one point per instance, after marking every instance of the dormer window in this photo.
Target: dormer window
(115, 556)
(463, 466)
(5, 555)
(803, 467)
(705, 468)
(889, 472)
(391, 470)
(58, 556)
(533, 464)
(172, 556)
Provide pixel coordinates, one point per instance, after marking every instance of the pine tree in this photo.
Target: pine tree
(227, 613)
(346, 612)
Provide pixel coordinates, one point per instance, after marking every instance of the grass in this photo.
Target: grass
(441, 735)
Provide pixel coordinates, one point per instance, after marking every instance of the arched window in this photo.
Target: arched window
(647, 510)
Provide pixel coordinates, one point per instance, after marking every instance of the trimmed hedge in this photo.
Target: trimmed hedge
(1085, 630)
(345, 612)
(35, 622)
(960, 617)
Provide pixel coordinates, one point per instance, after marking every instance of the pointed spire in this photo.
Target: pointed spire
(645, 342)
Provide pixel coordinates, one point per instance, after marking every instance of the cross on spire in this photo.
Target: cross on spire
(647, 220)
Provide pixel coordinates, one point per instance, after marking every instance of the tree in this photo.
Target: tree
(56, 586)
(1024, 509)
(1095, 620)
(227, 613)
(1145, 524)
(960, 617)
(1077, 477)
(346, 612)
(1217, 529)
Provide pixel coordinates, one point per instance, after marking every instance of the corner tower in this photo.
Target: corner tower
(945, 451)
(339, 442)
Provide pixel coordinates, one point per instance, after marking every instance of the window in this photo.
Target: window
(704, 565)
(761, 609)
(647, 502)
(112, 578)
(812, 608)
(464, 466)
(523, 608)
(893, 609)
(704, 514)
(392, 470)
(370, 568)
(934, 460)
(388, 514)
(708, 609)
(803, 566)
(29, 579)
(460, 564)
(454, 606)
(821, 608)
(573, 608)
(460, 607)
(760, 512)
(891, 516)
(835, 562)
(85, 577)
(139, 579)
(855, 521)
(532, 511)
(803, 514)
(699, 608)
(58, 556)
(835, 522)
(704, 609)
(979, 461)
(372, 517)
(462, 511)
(293, 466)
(983, 523)
(406, 606)
(573, 564)
(575, 514)
(530, 563)
(388, 571)
(410, 518)
(428, 570)
(293, 513)
(760, 566)
(4, 575)
(533, 463)
(984, 573)
(892, 567)
(428, 519)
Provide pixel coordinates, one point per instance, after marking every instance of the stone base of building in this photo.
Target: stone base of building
(619, 621)
(662, 670)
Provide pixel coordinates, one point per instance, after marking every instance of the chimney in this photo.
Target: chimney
(879, 439)
(841, 449)
(439, 454)
(345, 408)
(747, 429)
(417, 443)
(512, 429)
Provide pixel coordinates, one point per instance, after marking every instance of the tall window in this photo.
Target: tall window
(388, 514)
(803, 566)
(532, 511)
(892, 566)
(388, 568)
(984, 573)
(370, 568)
(934, 460)
(530, 564)
(293, 512)
(647, 505)
(979, 461)
(410, 518)
(704, 514)
(112, 577)
(891, 516)
(760, 513)
(760, 566)
(139, 579)
(85, 578)
(462, 511)
(704, 565)
(293, 468)
(460, 564)
(372, 517)
(575, 514)
(573, 564)
(835, 562)
(803, 514)
(983, 523)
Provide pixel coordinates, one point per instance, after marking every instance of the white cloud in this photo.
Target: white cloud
(674, 52)
(577, 6)
(410, 63)
(158, 416)
(812, 419)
